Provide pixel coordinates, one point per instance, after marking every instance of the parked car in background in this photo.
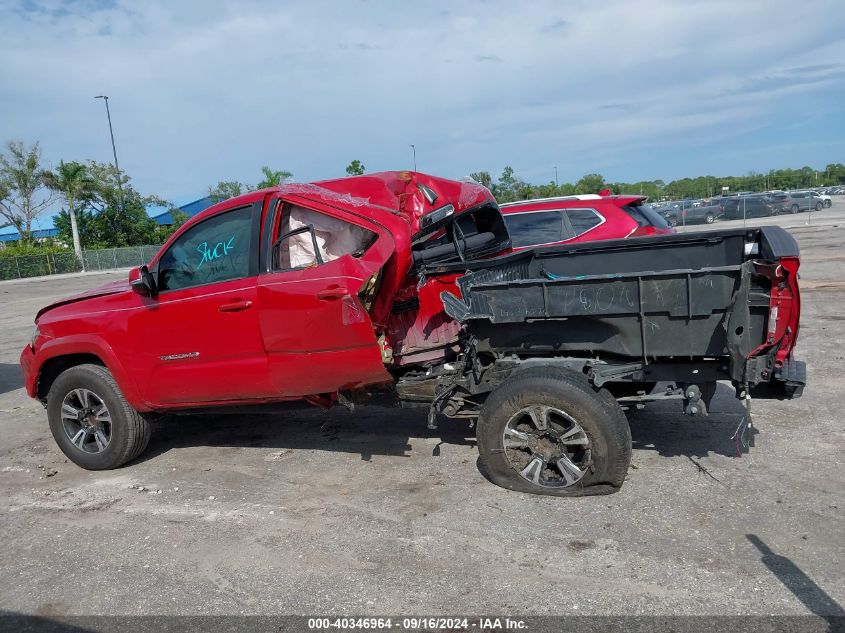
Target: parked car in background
(802, 201)
(581, 218)
(777, 200)
(747, 207)
(704, 213)
(825, 198)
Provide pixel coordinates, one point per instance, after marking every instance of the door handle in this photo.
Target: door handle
(335, 292)
(235, 306)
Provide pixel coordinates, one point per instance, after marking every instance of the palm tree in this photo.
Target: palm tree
(272, 177)
(72, 181)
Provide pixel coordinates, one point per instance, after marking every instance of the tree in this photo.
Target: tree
(273, 178)
(72, 181)
(226, 189)
(591, 183)
(163, 232)
(21, 187)
(355, 168)
(483, 178)
(509, 187)
(84, 226)
(118, 213)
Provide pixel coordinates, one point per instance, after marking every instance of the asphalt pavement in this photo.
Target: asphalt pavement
(370, 513)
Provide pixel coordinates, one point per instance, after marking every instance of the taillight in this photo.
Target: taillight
(643, 231)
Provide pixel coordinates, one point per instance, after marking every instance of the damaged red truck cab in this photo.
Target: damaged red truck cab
(404, 284)
(231, 322)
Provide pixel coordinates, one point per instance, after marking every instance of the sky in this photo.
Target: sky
(202, 91)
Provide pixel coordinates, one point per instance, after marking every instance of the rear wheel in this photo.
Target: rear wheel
(92, 422)
(819, 206)
(672, 220)
(827, 203)
(547, 431)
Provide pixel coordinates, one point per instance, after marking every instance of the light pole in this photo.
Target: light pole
(111, 134)
(114, 152)
(556, 176)
(414, 150)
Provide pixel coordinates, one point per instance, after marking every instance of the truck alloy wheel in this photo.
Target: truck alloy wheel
(709, 218)
(86, 421)
(547, 446)
(546, 431)
(92, 422)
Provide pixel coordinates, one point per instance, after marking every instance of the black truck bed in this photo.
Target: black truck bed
(694, 296)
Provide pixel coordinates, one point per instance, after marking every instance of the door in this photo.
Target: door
(200, 335)
(322, 272)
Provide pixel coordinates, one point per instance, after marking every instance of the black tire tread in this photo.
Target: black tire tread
(617, 427)
(138, 425)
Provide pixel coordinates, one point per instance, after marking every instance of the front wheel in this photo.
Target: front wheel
(709, 218)
(92, 422)
(818, 206)
(547, 431)
(794, 208)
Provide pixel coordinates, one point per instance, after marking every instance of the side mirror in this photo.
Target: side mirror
(142, 281)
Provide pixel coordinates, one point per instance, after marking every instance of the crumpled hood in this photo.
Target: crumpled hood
(113, 287)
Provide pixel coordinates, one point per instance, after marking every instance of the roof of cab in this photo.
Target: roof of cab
(398, 192)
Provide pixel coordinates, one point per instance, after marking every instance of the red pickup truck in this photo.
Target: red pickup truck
(403, 285)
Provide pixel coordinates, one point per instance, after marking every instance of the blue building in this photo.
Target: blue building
(164, 218)
(38, 234)
(190, 209)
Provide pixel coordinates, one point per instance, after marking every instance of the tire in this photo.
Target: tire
(672, 221)
(602, 459)
(709, 218)
(90, 388)
(794, 208)
(819, 206)
(827, 203)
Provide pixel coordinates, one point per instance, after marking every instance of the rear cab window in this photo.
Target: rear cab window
(301, 229)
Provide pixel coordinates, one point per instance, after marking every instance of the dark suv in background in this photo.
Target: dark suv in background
(748, 207)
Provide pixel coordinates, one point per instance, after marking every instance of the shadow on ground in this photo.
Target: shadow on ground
(388, 431)
(10, 377)
(662, 427)
(368, 431)
(816, 599)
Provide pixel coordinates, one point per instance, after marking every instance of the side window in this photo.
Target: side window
(533, 228)
(214, 250)
(582, 220)
(332, 237)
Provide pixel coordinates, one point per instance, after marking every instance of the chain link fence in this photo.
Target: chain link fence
(57, 263)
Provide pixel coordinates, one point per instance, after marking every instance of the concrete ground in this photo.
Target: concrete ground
(314, 513)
